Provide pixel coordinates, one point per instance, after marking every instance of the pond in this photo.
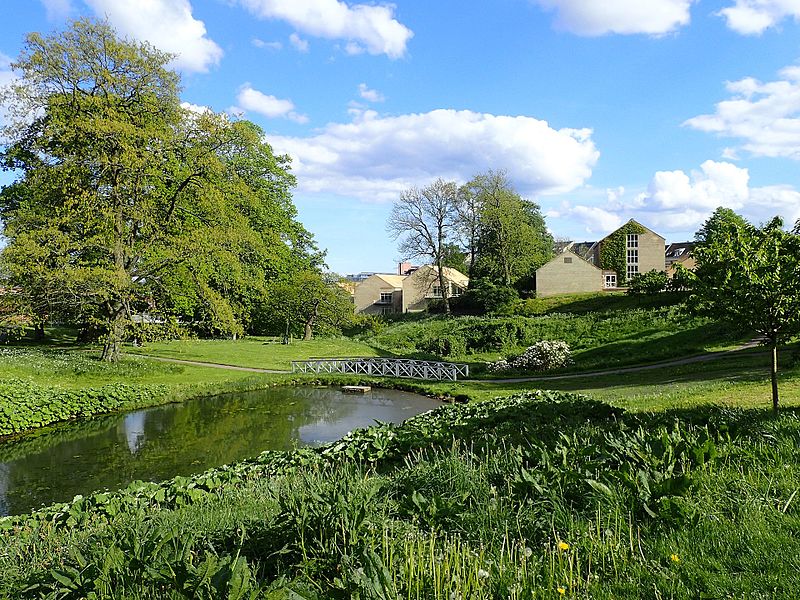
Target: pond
(55, 464)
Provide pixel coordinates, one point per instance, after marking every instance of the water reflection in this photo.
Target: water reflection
(54, 465)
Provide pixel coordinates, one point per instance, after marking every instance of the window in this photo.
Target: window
(567, 259)
(386, 310)
(633, 270)
(386, 298)
(455, 291)
(633, 240)
(436, 291)
(611, 280)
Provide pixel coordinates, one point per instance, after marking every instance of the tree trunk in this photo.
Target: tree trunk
(443, 287)
(308, 332)
(115, 336)
(774, 374)
(38, 331)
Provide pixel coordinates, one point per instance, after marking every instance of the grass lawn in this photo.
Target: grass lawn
(69, 368)
(740, 380)
(258, 352)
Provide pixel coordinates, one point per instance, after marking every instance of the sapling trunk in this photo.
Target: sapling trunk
(774, 375)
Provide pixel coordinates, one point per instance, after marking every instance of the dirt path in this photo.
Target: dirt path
(660, 365)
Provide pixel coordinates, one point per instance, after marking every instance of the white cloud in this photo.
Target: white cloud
(765, 116)
(168, 25)
(299, 43)
(57, 9)
(368, 94)
(372, 26)
(676, 201)
(593, 18)
(375, 157)
(753, 17)
(198, 109)
(259, 43)
(252, 100)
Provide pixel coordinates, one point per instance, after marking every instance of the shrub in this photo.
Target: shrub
(484, 297)
(542, 356)
(648, 284)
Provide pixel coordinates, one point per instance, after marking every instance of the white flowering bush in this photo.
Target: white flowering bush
(542, 356)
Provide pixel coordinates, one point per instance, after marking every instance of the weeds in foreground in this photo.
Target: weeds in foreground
(535, 496)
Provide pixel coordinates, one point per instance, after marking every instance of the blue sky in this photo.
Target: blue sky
(658, 110)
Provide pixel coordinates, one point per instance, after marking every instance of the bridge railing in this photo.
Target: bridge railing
(386, 367)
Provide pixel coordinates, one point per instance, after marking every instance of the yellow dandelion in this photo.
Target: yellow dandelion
(563, 546)
(561, 590)
(675, 558)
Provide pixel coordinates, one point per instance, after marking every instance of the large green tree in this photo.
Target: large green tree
(750, 276)
(125, 201)
(304, 301)
(505, 234)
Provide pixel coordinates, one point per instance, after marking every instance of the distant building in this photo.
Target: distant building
(568, 272)
(679, 253)
(359, 277)
(386, 294)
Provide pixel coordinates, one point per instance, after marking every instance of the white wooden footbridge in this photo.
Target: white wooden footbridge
(384, 367)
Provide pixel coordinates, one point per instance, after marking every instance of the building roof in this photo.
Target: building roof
(570, 252)
(678, 251)
(396, 281)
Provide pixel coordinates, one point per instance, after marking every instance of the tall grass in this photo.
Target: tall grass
(538, 496)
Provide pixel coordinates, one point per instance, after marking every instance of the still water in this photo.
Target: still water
(154, 444)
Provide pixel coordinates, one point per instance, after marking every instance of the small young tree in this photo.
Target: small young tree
(424, 220)
(751, 276)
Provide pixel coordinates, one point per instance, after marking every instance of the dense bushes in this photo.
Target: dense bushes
(25, 405)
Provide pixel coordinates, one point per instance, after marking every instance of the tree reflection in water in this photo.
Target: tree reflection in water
(54, 465)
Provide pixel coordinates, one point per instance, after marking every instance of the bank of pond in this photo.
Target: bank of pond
(161, 442)
(537, 495)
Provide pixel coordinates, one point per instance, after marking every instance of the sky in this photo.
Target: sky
(657, 110)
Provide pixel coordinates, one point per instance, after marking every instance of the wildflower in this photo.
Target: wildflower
(483, 574)
(563, 546)
(561, 590)
(528, 552)
(675, 558)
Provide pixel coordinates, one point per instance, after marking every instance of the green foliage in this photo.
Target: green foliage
(613, 251)
(751, 276)
(511, 498)
(125, 202)
(716, 226)
(483, 297)
(507, 234)
(647, 284)
(303, 301)
(25, 405)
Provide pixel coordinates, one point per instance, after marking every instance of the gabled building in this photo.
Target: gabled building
(379, 294)
(423, 285)
(641, 250)
(568, 273)
(387, 294)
